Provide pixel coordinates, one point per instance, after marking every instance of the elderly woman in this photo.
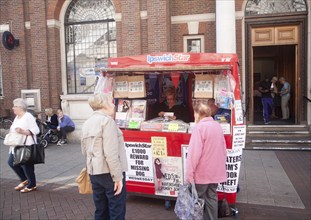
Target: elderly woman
(106, 162)
(25, 124)
(171, 105)
(206, 159)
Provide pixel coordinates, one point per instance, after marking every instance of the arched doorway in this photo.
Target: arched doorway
(276, 37)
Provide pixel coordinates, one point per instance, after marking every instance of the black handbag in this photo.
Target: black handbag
(29, 154)
(224, 209)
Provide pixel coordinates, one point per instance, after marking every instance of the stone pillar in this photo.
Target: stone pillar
(225, 26)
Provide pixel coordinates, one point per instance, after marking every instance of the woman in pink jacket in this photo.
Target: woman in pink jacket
(206, 159)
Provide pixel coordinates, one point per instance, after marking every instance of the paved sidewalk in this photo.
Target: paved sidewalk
(274, 185)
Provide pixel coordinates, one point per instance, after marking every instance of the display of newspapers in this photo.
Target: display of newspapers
(164, 124)
(137, 114)
(123, 113)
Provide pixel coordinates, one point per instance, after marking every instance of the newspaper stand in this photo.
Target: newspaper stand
(175, 142)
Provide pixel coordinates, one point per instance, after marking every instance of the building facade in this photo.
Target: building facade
(63, 43)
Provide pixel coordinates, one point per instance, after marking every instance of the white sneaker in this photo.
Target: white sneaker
(59, 143)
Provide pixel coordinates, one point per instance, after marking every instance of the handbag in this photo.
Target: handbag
(188, 204)
(224, 209)
(13, 139)
(84, 182)
(29, 154)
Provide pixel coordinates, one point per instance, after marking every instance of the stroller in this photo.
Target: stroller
(47, 134)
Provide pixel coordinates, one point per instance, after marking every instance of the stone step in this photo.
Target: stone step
(257, 128)
(278, 146)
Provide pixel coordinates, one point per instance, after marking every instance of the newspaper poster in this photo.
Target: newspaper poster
(238, 138)
(139, 158)
(233, 166)
(168, 175)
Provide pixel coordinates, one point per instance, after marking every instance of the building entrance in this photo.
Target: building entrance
(274, 61)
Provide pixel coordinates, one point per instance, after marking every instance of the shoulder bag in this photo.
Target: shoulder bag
(29, 154)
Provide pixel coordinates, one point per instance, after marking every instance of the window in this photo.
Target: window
(90, 39)
(194, 44)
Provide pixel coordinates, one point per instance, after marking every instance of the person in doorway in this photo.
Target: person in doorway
(267, 101)
(285, 97)
(65, 125)
(25, 124)
(206, 159)
(106, 161)
(171, 105)
(275, 95)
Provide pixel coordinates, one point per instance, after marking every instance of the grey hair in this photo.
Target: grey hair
(99, 101)
(20, 103)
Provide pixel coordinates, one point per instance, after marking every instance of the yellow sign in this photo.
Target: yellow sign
(172, 127)
(159, 146)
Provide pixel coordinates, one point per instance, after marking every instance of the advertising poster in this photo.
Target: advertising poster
(139, 158)
(239, 134)
(168, 175)
(233, 165)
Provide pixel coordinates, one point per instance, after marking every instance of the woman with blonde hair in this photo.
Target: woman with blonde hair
(51, 118)
(206, 159)
(106, 163)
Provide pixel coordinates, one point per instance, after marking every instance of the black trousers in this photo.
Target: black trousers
(64, 131)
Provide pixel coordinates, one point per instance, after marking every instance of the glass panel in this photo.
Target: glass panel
(88, 42)
(194, 45)
(260, 7)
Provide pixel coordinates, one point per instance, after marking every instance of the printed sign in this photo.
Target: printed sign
(238, 112)
(233, 165)
(159, 146)
(239, 134)
(139, 157)
(168, 175)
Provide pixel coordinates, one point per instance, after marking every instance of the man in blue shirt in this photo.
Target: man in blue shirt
(65, 125)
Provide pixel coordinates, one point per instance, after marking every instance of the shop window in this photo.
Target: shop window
(90, 39)
(263, 7)
(194, 44)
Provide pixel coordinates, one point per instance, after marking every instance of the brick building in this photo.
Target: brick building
(62, 41)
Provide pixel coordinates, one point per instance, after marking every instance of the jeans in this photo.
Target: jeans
(107, 205)
(64, 131)
(24, 172)
(209, 194)
(267, 104)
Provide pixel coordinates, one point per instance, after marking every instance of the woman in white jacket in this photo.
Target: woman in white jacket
(103, 145)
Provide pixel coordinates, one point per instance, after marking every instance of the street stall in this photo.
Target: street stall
(156, 147)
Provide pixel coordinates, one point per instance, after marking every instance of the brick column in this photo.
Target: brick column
(159, 23)
(131, 28)
(39, 49)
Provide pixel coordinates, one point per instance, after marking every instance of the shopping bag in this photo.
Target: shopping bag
(188, 204)
(13, 139)
(84, 182)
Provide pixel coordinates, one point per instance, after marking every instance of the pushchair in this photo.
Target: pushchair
(47, 134)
